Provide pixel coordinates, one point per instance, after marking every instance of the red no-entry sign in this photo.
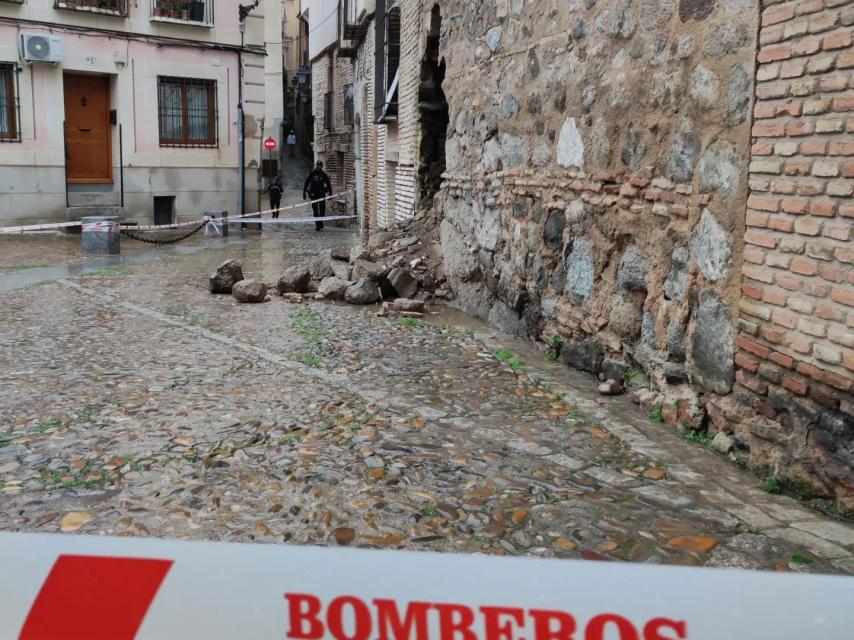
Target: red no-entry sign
(270, 144)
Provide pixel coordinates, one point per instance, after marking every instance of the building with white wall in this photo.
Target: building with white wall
(130, 107)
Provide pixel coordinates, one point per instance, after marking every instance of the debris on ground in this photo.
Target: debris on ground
(250, 291)
(227, 275)
(610, 388)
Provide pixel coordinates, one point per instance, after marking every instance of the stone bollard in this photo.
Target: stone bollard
(101, 235)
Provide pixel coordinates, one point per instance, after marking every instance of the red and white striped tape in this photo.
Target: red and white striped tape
(100, 226)
(178, 225)
(100, 588)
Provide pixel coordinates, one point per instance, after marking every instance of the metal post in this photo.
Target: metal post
(241, 150)
(121, 169)
(65, 168)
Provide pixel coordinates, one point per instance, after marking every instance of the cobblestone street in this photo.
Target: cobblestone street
(135, 403)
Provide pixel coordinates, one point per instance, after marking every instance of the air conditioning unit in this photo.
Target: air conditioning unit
(36, 47)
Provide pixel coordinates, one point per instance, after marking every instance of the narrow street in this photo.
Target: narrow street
(142, 405)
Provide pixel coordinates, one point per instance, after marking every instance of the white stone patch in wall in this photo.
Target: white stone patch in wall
(575, 211)
(491, 155)
(619, 60)
(579, 270)
(493, 38)
(517, 233)
(518, 6)
(512, 151)
(685, 47)
(704, 86)
(542, 155)
(452, 154)
(488, 232)
(711, 247)
(570, 148)
(737, 6)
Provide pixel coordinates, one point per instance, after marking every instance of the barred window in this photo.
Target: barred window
(187, 112)
(9, 129)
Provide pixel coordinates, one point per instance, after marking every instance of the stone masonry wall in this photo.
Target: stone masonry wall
(595, 184)
(795, 344)
(596, 189)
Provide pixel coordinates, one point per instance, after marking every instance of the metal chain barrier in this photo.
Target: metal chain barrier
(130, 235)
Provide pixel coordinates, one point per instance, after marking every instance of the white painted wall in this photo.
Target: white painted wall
(32, 171)
(323, 22)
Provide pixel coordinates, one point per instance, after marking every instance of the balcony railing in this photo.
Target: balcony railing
(197, 12)
(352, 28)
(108, 7)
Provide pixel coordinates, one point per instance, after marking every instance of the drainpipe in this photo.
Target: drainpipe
(243, 11)
(241, 149)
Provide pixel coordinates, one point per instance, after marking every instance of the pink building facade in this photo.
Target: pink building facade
(110, 106)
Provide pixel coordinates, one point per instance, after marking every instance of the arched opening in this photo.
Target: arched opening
(433, 110)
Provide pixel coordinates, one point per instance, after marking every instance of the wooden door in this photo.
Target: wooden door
(87, 129)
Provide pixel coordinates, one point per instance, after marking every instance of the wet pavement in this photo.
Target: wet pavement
(134, 403)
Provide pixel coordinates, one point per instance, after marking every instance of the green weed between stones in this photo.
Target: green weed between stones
(430, 511)
(631, 374)
(555, 343)
(799, 559)
(703, 438)
(115, 271)
(655, 415)
(771, 484)
(307, 325)
(516, 364)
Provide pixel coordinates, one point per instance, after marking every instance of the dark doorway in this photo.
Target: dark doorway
(433, 108)
(164, 209)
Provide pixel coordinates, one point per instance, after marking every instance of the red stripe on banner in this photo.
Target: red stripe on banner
(94, 598)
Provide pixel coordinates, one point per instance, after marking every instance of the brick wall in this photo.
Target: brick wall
(410, 70)
(382, 204)
(795, 348)
(334, 147)
(404, 192)
(364, 81)
(381, 178)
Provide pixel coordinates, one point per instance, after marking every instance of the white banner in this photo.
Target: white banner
(58, 587)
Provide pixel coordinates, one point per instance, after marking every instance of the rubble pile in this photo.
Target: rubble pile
(400, 268)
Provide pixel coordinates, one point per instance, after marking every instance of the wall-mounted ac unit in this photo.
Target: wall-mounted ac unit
(36, 47)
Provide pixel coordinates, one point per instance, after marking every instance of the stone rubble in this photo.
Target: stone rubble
(226, 276)
(251, 291)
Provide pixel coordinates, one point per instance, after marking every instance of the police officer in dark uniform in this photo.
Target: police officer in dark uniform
(275, 190)
(317, 185)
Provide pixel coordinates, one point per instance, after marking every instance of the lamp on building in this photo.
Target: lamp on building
(303, 74)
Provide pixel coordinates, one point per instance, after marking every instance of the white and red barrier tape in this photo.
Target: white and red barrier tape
(102, 588)
(247, 217)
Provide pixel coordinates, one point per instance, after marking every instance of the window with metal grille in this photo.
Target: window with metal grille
(9, 111)
(187, 112)
(349, 106)
(328, 106)
(387, 60)
(111, 7)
